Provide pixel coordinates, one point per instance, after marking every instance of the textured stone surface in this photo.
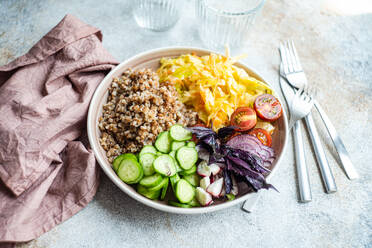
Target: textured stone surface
(336, 51)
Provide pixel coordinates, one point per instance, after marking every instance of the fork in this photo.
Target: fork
(293, 72)
(298, 80)
(300, 106)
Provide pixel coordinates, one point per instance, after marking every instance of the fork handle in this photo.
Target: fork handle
(302, 173)
(346, 163)
(325, 170)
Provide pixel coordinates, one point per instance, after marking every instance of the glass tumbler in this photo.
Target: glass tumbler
(157, 15)
(226, 22)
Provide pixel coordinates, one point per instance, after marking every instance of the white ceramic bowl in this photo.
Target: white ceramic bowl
(150, 59)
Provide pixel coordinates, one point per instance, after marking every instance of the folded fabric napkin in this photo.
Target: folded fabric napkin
(47, 171)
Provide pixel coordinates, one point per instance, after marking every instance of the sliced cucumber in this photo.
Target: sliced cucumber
(230, 197)
(146, 160)
(180, 205)
(147, 149)
(130, 171)
(163, 142)
(186, 157)
(151, 181)
(184, 191)
(119, 158)
(172, 154)
(165, 165)
(159, 153)
(194, 203)
(177, 144)
(179, 133)
(191, 144)
(190, 171)
(160, 185)
(153, 195)
(174, 179)
(164, 190)
(193, 179)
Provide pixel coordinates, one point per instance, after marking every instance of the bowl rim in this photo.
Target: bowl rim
(91, 123)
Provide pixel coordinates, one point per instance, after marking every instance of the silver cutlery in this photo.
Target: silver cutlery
(298, 80)
(302, 172)
(292, 70)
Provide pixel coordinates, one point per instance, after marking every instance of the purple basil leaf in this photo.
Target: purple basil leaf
(201, 132)
(226, 131)
(227, 180)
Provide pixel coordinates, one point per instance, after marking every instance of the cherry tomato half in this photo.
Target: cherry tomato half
(268, 108)
(262, 135)
(244, 118)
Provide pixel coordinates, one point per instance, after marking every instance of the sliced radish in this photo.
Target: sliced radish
(223, 192)
(203, 197)
(204, 182)
(203, 169)
(215, 188)
(215, 169)
(234, 189)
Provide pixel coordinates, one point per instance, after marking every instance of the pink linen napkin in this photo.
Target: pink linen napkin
(47, 171)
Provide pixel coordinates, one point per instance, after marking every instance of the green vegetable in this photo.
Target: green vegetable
(163, 142)
(146, 160)
(165, 165)
(186, 157)
(119, 158)
(153, 195)
(179, 133)
(184, 191)
(177, 144)
(130, 171)
(151, 181)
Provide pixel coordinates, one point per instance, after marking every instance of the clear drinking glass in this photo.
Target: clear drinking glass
(226, 22)
(157, 15)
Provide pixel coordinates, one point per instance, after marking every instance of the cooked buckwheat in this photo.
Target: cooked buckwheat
(138, 108)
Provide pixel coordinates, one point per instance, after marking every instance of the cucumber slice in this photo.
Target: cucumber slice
(173, 155)
(159, 153)
(130, 171)
(191, 144)
(184, 191)
(153, 195)
(193, 179)
(164, 190)
(189, 171)
(230, 197)
(147, 149)
(180, 205)
(165, 165)
(163, 142)
(160, 185)
(146, 160)
(174, 179)
(179, 133)
(151, 181)
(186, 157)
(119, 158)
(194, 203)
(177, 144)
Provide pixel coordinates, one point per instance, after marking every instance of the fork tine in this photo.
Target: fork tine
(284, 58)
(290, 57)
(296, 57)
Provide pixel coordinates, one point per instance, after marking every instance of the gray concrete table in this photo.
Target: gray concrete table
(335, 44)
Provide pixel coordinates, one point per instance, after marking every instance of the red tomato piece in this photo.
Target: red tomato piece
(244, 118)
(262, 135)
(268, 108)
